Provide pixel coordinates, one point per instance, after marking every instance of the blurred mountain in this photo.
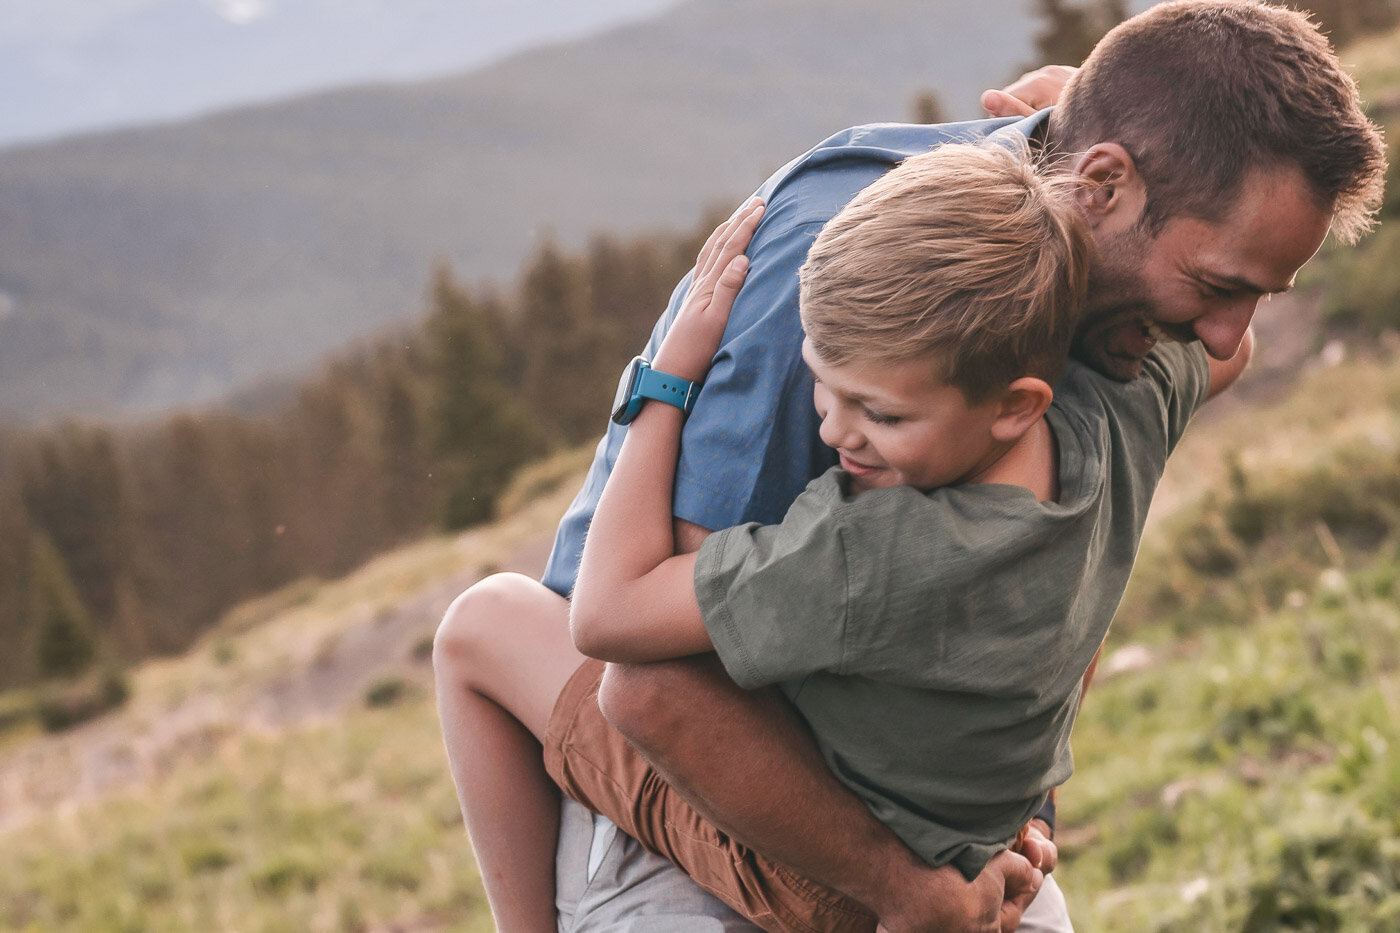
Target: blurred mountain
(144, 268)
(86, 64)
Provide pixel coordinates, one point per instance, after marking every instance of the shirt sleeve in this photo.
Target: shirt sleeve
(1182, 375)
(774, 597)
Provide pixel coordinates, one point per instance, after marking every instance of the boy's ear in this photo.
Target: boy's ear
(1108, 188)
(1021, 406)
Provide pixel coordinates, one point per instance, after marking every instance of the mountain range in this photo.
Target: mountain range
(89, 64)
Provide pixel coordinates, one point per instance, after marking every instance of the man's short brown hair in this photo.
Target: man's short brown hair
(964, 255)
(1200, 92)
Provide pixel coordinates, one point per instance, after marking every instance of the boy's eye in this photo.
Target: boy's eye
(882, 418)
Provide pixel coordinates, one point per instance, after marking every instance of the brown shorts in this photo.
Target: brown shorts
(592, 763)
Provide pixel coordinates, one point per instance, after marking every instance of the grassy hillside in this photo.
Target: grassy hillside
(285, 775)
(1235, 764)
(164, 265)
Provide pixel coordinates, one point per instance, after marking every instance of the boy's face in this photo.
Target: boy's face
(898, 424)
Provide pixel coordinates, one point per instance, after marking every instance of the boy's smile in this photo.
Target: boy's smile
(898, 424)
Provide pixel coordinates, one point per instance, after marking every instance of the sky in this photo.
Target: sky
(88, 64)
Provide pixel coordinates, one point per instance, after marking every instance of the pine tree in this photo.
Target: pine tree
(78, 490)
(927, 107)
(630, 284)
(15, 550)
(479, 430)
(189, 518)
(572, 355)
(334, 515)
(1070, 31)
(404, 468)
(65, 640)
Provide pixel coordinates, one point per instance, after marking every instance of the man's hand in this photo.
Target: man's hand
(993, 902)
(1034, 90)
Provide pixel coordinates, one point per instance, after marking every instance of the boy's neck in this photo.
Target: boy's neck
(1032, 462)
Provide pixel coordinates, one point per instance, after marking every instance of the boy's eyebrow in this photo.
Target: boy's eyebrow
(863, 397)
(853, 395)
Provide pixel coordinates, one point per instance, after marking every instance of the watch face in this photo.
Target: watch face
(625, 406)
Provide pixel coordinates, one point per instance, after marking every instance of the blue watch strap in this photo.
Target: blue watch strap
(664, 387)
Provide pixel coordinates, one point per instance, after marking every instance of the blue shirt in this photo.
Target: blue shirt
(751, 445)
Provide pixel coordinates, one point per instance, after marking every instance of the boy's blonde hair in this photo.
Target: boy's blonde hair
(964, 255)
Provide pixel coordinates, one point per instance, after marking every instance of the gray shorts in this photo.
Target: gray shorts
(607, 882)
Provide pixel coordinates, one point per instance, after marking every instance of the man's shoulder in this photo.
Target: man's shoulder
(816, 184)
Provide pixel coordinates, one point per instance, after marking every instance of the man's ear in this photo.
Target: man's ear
(1021, 406)
(1108, 188)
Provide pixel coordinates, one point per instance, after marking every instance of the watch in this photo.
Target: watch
(640, 382)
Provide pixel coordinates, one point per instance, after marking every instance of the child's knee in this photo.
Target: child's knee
(474, 622)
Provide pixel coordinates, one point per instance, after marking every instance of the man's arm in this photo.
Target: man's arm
(747, 763)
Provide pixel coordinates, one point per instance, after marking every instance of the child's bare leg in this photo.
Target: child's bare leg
(501, 656)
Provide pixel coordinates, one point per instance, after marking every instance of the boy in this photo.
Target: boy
(939, 308)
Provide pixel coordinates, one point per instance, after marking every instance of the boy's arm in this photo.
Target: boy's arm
(635, 597)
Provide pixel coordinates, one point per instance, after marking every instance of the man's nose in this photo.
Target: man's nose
(1221, 330)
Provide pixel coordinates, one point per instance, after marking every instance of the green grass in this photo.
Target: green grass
(346, 827)
(1246, 781)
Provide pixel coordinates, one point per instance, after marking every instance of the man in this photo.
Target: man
(1211, 146)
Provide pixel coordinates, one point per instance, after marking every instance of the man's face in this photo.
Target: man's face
(1197, 280)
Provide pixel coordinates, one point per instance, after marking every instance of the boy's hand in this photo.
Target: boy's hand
(695, 335)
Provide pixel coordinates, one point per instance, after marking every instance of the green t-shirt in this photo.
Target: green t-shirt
(935, 642)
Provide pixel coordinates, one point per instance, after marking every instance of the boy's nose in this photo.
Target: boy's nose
(836, 430)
